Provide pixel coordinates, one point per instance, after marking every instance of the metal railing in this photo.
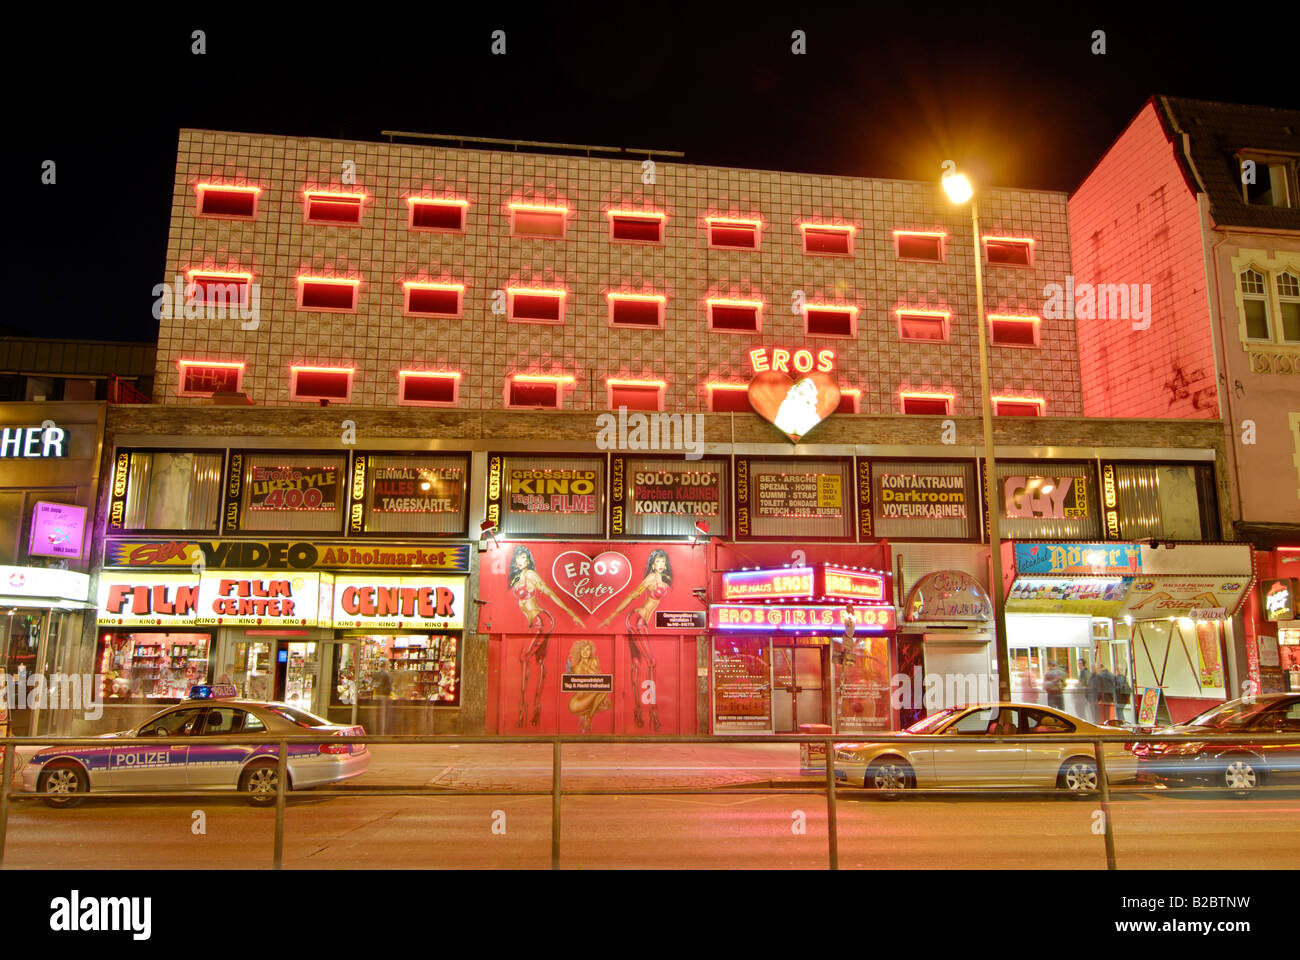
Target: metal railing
(557, 792)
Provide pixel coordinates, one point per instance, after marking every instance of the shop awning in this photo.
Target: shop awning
(947, 596)
(1192, 597)
(44, 587)
(1200, 581)
(1197, 581)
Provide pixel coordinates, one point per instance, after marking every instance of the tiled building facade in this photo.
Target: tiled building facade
(382, 252)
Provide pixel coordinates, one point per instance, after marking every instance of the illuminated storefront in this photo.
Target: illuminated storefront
(1114, 615)
(367, 627)
(49, 467)
(591, 636)
(808, 642)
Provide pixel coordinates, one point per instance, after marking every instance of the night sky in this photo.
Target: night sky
(1014, 95)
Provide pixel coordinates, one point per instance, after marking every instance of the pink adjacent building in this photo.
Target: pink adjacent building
(1197, 205)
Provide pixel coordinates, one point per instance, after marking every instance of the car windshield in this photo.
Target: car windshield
(300, 717)
(933, 720)
(1227, 715)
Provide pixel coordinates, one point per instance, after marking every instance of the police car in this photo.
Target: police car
(212, 710)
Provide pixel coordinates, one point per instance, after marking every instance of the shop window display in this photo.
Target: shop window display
(249, 670)
(413, 669)
(152, 666)
(1093, 684)
(173, 491)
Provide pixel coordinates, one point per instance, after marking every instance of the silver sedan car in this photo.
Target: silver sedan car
(978, 761)
(195, 763)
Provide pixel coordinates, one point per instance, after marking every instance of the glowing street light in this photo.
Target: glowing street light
(957, 187)
(959, 190)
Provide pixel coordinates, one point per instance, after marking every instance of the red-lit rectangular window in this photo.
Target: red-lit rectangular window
(203, 378)
(530, 391)
(927, 403)
(826, 240)
(631, 227)
(1018, 406)
(849, 400)
(926, 325)
(645, 311)
(735, 316)
(1009, 251)
(527, 220)
(535, 306)
(227, 201)
(822, 321)
(1013, 331)
(339, 209)
(421, 388)
(433, 299)
(913, 245)
(320, 383)
(440, 216)
(218, 288)
(636, 394)
(733, 234)
(328, 294)
(726, 398)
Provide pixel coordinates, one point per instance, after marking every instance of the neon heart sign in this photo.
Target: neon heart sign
(794, 406)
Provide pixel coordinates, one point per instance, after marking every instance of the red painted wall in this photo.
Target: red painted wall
(1134, 220)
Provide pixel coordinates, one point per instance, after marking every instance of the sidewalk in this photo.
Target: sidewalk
(586, 766)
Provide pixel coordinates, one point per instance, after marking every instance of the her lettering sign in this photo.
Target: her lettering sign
(791, 361)
(32, 443)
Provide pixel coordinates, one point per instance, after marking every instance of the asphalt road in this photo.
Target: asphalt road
(1152, 830)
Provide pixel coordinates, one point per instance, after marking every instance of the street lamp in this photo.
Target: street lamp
(959, 191)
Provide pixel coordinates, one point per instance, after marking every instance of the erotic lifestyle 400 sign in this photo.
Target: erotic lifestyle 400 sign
(294, 488)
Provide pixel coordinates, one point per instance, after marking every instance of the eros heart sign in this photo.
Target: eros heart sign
(589, 590)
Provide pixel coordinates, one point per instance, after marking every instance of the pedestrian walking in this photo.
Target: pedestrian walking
(1101, 687)
(382, 686)
(1123, 692)
(1085, 691)
(1054, 685)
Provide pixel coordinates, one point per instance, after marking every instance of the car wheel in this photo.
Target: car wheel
(1241, 775)
(66, 779)
(1078, 775)
(889, 773)
(260, 783)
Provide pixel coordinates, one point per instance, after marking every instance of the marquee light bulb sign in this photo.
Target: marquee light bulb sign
(785, 583)
(793, 405)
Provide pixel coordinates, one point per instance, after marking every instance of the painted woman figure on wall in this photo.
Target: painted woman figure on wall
(584, 662)
(658, 578)
(526, 583)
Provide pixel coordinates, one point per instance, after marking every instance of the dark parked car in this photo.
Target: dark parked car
(1238, 766)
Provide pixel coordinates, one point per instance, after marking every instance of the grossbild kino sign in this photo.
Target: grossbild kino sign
(281, 555)
(553, 491)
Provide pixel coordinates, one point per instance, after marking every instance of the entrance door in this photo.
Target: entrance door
(798, 687)
(248, 667)
(300, 675)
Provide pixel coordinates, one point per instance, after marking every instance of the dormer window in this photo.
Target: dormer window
(1268, 181)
